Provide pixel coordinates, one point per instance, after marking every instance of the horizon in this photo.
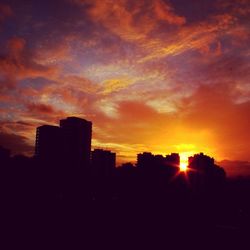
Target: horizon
(230, 167)
(153, 76)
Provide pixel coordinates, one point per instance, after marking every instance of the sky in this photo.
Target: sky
(161, 76)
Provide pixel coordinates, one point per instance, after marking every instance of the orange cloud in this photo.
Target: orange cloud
(51, 54)
(191, 37)
(17, 64)
(139, 22)
(132, 20)
(40, 108)
(150, 79)
(165, 12)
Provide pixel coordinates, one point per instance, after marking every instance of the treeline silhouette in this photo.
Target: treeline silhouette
(56, 201)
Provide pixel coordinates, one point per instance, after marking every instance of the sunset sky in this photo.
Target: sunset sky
(152, 75)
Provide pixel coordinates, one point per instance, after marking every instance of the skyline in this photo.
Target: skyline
(73, 138)
(157, 76)
(75, 141)
(70, 143)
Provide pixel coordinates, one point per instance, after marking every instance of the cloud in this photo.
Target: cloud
(213, 108)
(131, 20)
(45, 112)
(151, 75)
(16, 46)
(5, 12)
(18, 144)
(18, 63)
(112, 85)
(166, 13)
(236, 168)
(238, 8)
(40, 108)
(195, 36)
(6, 83)
(51, 53)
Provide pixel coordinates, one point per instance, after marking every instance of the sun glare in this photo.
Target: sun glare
(183, 166)
(183, 162)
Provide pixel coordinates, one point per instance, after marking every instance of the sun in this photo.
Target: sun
(183, 162)
(183, 166)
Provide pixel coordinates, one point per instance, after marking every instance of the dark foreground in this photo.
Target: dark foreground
(74, 210)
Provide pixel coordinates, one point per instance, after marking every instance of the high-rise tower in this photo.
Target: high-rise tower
(77, 135)
(48, 143)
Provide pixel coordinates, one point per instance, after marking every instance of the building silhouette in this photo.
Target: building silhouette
(76, 133)
(173, 159)
(147, 160)
(103, 162)
(148, 199)
(205, 173)
(200, 161)
(69, 144)
(48, 145)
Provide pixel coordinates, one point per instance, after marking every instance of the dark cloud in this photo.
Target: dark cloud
(18, 144)
(40, 108)
(5, 12)
(236, 168)
(44, 112)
